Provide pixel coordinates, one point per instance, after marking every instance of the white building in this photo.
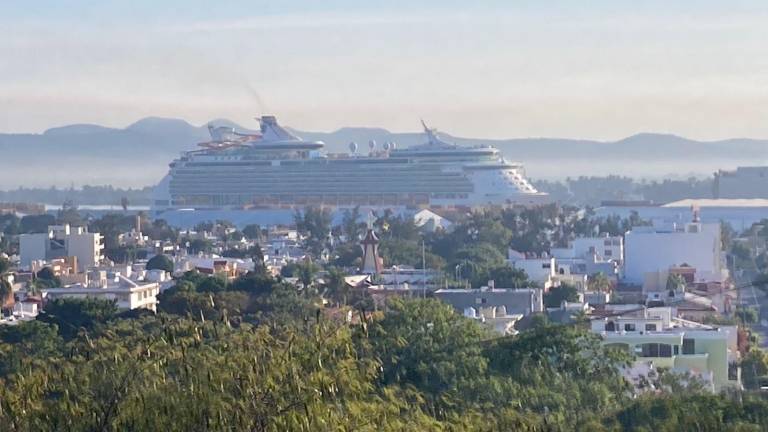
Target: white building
(127, 293)
(61, 241)
(605, 248)
(540, 269)
(652, 249)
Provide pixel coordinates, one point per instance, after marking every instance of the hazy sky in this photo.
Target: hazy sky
(501, 69)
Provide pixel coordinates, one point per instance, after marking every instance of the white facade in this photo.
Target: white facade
(538, 269)
(653, 249)
(126, 293)
(61, 241)
(606, 248)
(33, 247)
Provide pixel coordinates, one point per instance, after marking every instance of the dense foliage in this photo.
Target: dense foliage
(258, 354)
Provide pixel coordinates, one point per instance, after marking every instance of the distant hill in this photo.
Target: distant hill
(139, 154)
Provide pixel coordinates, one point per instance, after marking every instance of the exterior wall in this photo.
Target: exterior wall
(709, 358)
(32, 247)
(86, 247)
(651, 251)
(537, 269)
(137, 297)
(515, 301)
(605, 247)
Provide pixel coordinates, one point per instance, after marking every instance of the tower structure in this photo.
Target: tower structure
(371, 260)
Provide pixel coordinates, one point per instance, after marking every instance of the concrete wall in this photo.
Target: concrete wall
(86, 247)
(653, 251)
(32, 248)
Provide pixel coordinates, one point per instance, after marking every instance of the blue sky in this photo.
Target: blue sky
(497, 69)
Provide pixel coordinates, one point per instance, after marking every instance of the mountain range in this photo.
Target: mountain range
(138, 155)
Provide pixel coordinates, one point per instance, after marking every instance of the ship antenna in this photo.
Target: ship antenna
(430, 133)
(426, 128)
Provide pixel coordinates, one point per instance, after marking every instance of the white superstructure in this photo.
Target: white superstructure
(276, 169)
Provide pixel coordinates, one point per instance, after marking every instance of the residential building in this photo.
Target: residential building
(62, 241)
(127, 293)
(539, 268)
(499, 307)
(658, 339)
(651, 249)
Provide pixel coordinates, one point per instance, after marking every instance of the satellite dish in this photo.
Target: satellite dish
(372, 144)
(386, 146)
(353, 147)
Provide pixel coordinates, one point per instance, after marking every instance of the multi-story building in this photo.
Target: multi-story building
(61, 241)
(659, 340)
(658, 248)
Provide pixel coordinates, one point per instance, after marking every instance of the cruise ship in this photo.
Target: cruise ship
(275, 169)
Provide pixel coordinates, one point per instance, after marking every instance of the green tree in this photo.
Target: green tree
(315, 224)
(475, 262)
(675, 282)
(305, 271)
(557, 295)
(198, 245)
(505, 276)
(6, 295)
(252, 232)
(351, 225)
(5, 265)
(73, 315)
(36, 223)
(426, 344)
(599, 282)
(160, 262)
(335, 286)
(754, 366)
(47, 278)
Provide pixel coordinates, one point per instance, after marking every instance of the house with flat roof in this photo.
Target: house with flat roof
(500, 308)
(658, 339)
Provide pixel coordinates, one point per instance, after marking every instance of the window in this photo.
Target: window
(655, 350)
(677, 349)
(607, 243)
(650, 327)
(689, 346)
(629, 327)
(611, 326)
(665, 350)
(608, 252)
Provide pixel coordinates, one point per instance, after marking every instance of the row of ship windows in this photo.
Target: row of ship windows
(330, 170)
(245, 199)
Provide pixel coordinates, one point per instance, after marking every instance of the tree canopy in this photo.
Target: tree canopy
(160, 262)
